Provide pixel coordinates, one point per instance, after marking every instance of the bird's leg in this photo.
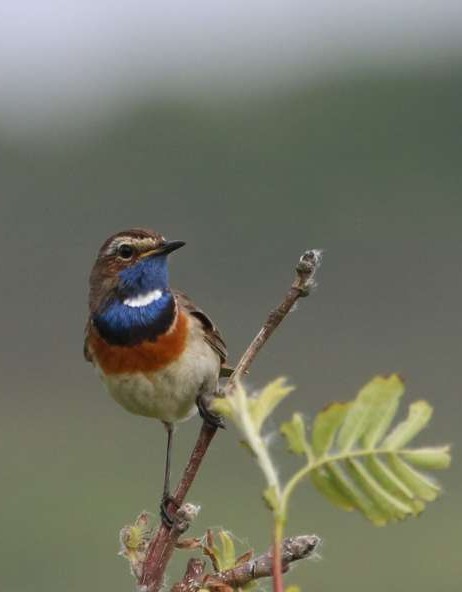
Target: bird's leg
(211, 418)
(167, 499)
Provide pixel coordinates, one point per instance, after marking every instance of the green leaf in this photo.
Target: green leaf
(227, 554)
(294, 433)
(391, 505)
(382, 397)
(371, 413)
(264, 403)
(222, 406)
(392, 483)
(420, 414)
(325, 427)
(357, 466)
(422, 485)
(429, 458)
(293, 589)
(348, 487)
(326, 484)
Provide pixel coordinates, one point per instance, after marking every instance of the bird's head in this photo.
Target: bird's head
(131, 265)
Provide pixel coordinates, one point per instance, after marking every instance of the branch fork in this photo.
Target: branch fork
(162, 545)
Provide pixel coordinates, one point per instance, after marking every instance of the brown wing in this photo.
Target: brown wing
(211, 333)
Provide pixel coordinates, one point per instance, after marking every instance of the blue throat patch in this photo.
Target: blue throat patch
(120, 324)
(147, 275)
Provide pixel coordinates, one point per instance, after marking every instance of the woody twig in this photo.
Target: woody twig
(162, 545)
(195, 578)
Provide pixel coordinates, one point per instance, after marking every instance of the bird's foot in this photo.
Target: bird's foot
(211, 418)
(166, 515)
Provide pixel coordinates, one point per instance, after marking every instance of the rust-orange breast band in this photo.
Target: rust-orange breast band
(147, 356)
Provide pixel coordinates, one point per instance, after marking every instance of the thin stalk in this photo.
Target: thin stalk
(255, 442)
(278, 533)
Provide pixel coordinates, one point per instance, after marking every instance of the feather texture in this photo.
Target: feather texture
(155, 350)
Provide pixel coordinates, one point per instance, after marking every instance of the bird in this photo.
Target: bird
(157, 353)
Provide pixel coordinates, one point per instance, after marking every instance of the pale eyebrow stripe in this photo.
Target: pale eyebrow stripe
(120, 240)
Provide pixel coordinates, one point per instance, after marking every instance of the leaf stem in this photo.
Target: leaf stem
(316, 463)
(256, 443)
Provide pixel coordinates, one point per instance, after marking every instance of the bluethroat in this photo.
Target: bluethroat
(157, 353)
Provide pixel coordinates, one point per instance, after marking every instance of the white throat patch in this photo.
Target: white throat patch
(144, 299)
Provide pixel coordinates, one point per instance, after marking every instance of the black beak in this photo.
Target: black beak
(171, 246)
(167, 247)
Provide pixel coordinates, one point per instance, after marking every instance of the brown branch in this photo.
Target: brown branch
(162, 545)
(301, 286)
(193, 575)
(292, 549)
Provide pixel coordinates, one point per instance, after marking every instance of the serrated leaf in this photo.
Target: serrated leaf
(264, 403)
(325, 427)
(420, 414)
(364, 469)
(294, 433)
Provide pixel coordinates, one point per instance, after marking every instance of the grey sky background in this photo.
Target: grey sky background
(81, 57)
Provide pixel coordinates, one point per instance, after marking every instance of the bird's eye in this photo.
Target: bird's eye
(125, 251)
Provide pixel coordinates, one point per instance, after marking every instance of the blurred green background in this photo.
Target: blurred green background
(366, 164)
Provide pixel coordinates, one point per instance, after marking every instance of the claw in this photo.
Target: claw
(167, 516)
(212, 419)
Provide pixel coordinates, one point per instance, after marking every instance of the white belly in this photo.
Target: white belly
(169, 394)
